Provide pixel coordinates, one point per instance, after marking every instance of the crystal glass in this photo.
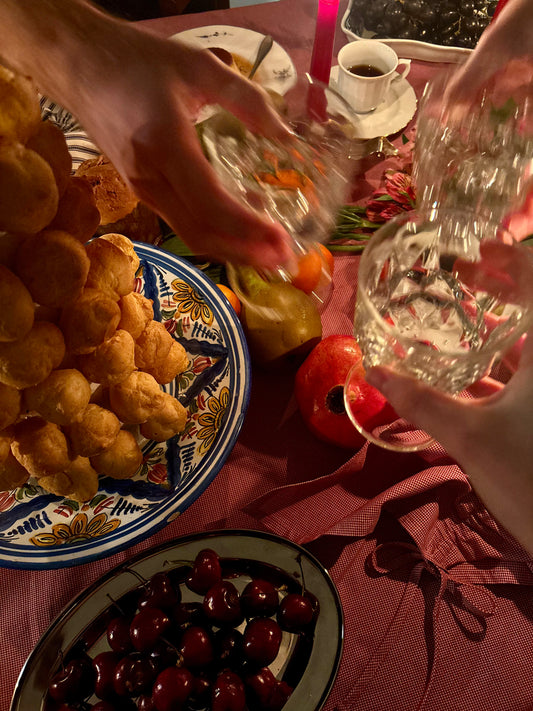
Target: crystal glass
(300, 183)
(442, 294)
(478, 157)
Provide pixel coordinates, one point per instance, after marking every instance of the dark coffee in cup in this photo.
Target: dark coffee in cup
(366, 70)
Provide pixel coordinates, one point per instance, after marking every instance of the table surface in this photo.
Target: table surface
(400, 534)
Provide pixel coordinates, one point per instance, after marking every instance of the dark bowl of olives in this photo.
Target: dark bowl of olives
(434, 30)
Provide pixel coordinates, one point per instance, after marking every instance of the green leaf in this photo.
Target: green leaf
(177, 246)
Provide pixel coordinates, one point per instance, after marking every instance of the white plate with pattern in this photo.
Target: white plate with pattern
(277, 71)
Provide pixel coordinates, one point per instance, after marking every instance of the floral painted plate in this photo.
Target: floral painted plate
(39, 530)
(308, 662)
(277, 71)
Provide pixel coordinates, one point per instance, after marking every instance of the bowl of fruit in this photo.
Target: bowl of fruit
(429, 30)
(236, 619)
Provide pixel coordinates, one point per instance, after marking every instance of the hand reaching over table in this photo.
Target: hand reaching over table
(489, 437)
(508, 38)
(137, 96)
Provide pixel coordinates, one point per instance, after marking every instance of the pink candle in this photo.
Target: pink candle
(326, 23)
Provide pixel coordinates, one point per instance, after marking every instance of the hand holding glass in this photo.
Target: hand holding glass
(299, 183)
(442, 294)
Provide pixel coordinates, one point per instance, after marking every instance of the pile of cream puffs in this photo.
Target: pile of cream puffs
(82, 359)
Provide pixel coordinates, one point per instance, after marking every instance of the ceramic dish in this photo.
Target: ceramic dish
(391, 116)
(413, 49)
(40, 530)
(309, 663)
(276, 72)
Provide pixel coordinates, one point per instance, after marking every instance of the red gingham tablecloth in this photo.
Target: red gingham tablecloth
(437, 598)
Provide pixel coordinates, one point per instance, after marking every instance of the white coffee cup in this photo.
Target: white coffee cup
(366, 70)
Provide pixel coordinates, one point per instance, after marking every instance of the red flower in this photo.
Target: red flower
(400, 187)
(396, 196)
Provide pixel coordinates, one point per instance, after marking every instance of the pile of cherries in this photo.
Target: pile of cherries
(165, 653)
(456, 23)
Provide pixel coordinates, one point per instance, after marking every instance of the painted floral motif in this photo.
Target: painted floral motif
(7, 500)
(188, 302)
(80, 529)
(29, 516)
(210, 420)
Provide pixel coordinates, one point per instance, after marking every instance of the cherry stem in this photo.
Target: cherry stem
(180, 662)
(299, 560)
(137, 575)
(115, 603)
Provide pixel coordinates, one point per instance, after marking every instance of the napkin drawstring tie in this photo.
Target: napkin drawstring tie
(475, 600)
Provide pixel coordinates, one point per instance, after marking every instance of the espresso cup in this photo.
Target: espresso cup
(366, 70)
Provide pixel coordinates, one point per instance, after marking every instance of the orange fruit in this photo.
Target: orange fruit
(327, 256)
(232, 297)
(311, 267)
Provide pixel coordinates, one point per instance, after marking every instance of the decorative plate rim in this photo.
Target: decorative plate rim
(22, 557)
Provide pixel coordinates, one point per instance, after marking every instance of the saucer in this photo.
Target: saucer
(393, 114)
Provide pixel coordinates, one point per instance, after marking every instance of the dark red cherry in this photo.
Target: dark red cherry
(200, 697)
(104, 665)
(261, 683)
(74, 682)
(229, 650)
(134, 675)
(279, 697)
(103, 706)
(196, 648)
(259, 598)
(295, 612)
(145, 703)
(118, 634)
(262, 639)
(123, 704)
(206, 571)
(146, 628)
(270, 693)
(228, 693)
(172, 688)
(159, 592)
(164, 655)
(222, 604)
(185, 614)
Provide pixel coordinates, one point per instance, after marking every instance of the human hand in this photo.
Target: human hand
(153, 91)
(137, 95)
(490, 437)
(501, 58)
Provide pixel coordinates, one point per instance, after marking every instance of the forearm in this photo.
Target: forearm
(51, 40)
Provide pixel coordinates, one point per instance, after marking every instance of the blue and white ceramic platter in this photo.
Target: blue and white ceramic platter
(41, 531)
